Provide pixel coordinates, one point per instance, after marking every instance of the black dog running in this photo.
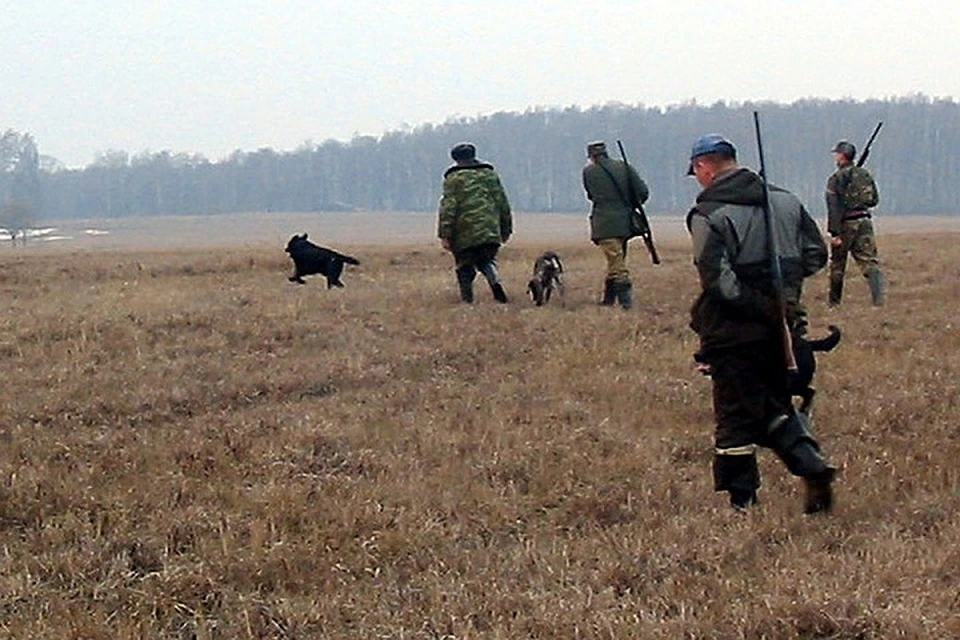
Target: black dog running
(309, 259)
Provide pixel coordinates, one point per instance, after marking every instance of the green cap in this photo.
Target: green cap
(596, 148)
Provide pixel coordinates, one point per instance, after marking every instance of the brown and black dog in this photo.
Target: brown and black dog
(547, 278)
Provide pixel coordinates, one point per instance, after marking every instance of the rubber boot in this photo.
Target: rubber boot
(490, 272)
(818, 496)
(609, 295)
(739, 476)
(624, 291)
(794, 443)
(875, 280)
(836, 292)
(465, 283)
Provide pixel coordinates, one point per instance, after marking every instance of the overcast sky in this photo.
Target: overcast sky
(213, 76)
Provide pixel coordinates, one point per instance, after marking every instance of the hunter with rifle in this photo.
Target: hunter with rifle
(851, 193)
(753, 246)
(618, 193)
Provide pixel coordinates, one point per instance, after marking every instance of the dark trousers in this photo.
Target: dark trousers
(753, 407)
(749, 390)
(482, 258)
(749, 393)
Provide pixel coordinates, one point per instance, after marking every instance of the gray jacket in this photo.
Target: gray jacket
(737, 303)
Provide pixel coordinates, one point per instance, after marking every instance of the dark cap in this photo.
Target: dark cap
(709, 144)
(596, 148)
(463, 151)
(846, 148)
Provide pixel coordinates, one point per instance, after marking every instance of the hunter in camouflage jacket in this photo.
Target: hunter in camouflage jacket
(474, 210)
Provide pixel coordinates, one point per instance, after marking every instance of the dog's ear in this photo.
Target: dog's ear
(536, 291)
(303, 237)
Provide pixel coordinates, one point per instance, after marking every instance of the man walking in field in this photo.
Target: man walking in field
(612, 186)
(474, 220)
(851, 193)
(738, 319)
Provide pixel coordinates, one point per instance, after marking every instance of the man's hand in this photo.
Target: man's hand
(702, 366)
(446, 244)
(836, 241)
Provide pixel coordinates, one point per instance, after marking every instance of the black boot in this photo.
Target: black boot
(609, 295)
(794, 443)
(492, 274)
(875, 279)
(836, 292)
(624, 292)
(465, 283)
(739, 476)
(819, 493)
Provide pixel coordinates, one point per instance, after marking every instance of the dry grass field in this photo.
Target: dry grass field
(192, 447)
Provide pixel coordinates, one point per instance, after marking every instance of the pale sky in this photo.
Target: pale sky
(214, 76)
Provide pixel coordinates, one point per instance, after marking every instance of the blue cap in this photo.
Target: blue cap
(711, 143)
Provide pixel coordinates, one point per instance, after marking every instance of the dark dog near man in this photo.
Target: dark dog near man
(547, 278)
(803, 353)
(309, 259)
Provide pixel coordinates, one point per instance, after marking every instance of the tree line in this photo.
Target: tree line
(539, 153)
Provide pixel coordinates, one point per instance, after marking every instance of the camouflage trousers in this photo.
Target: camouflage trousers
(615, 251)
(858, 241)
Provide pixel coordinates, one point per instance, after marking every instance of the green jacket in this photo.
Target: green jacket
(610, 215)
(473, 208)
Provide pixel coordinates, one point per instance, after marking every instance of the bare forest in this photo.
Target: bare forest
(539, 154)
(192, 447)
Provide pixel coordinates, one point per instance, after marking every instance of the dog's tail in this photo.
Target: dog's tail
(348, 259)
(828, 343)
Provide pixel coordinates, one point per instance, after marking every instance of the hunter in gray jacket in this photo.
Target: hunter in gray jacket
(738, 319)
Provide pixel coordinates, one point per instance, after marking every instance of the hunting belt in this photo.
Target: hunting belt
(856, 214)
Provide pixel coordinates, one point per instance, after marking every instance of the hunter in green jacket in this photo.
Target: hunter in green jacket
(474, 219)
(613, 187)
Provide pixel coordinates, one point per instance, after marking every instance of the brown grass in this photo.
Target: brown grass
(191, 447)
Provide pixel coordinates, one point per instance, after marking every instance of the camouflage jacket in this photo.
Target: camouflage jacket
(737, 303)
(474, 209)
(837, 186)
(610, 215)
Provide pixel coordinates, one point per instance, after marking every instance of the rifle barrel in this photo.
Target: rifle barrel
(776, 272)
(647, 235)
(866, 148)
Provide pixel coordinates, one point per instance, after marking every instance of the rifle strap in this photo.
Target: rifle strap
(616, 185)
